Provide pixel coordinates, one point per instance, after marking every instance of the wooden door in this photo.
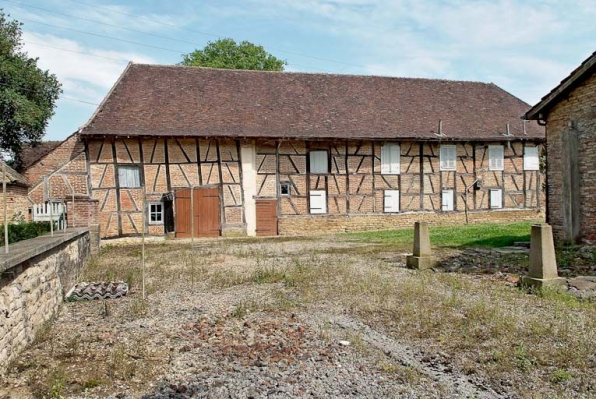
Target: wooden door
(182, 220)
(206, 212)
(207, 209)
(266, 217)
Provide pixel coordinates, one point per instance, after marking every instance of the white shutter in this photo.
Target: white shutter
(390, 159)
(531, 160)
(495, 156)
(496, 199)
(129, 176)
(447, 200)
(391, 201)
(318, 201)
(318, 162)
(447, 157)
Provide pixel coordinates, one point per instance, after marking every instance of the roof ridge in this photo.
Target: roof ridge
(177, 66)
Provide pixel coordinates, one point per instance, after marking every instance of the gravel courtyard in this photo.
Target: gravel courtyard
(324, 317)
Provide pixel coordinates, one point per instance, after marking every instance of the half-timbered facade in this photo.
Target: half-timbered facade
(241, 152)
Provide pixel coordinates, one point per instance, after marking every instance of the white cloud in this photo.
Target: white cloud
(84, 77)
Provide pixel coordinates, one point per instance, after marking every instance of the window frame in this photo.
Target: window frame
(502, 149)
(129, 166)
(526, 163)
(326, 163)
(150, 212)
(289, 188)
(384, 148)
(441, 164)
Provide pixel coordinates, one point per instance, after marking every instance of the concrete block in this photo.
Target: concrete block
(543, 261)
(421, 259)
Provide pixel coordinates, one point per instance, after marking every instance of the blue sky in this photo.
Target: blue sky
(524, 46)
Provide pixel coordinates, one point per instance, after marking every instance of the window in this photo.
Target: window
(284, 188)
(447, 200)
(318, 201)
(531, 159)
(155, 213)
(129, 176)
(496, 199)
(447, 156)
(495, 157)
(319, 162)
(390, 153)
(391, 199)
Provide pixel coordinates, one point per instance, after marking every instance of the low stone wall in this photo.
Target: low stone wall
(302, 225)
(34, 278)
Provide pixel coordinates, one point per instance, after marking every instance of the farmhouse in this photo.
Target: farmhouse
(569, 113)
(270, 153)
(17, 206)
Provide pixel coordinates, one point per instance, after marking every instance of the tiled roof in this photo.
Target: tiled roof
(588, 66)
(155, 100)
(12, 177)
(31, 153)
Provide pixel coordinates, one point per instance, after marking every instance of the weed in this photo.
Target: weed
(560, 376)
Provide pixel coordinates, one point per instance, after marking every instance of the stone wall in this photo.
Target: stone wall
(36, 274)
(300, 225)
(571, 164)
(16, 202)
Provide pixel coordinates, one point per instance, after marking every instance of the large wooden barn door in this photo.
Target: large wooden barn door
(266, 217)
(206, 212)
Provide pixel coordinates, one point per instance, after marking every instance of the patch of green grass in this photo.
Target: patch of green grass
(490, 235)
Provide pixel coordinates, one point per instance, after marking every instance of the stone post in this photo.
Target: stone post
(421, 259)
(95, 238)
(543, 261)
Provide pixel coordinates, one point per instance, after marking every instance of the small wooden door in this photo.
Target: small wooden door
(206, 212)
(266, 217)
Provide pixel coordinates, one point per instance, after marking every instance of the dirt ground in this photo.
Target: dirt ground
(309, 317)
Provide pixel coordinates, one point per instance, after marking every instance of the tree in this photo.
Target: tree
(227, 54)
(28, 94)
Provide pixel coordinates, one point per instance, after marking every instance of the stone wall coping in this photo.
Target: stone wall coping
(22, 251)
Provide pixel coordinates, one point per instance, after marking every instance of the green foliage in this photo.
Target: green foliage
(227, 54)
(27, 94)
(24, 231)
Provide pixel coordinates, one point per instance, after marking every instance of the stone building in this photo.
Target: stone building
(569, 114)
(293, 153)
(17, 206)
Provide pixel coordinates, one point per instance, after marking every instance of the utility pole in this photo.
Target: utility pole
(5, 208)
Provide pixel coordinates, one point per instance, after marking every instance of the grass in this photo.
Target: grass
(528, 344)
(491, 235)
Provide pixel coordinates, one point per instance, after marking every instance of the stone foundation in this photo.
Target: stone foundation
(303, 225)
(35, 276)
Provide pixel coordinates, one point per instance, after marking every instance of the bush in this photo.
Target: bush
(24, 231)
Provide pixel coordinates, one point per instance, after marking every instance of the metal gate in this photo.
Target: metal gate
(206, 212)
(266, 217)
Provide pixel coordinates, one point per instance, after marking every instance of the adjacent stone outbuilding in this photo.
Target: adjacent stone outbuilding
(17, 186)
(569, 113)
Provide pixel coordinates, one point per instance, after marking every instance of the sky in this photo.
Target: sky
(524, 46)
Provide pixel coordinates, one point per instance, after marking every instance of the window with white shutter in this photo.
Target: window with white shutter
(391, 201)
(447, 200)
(531, 159)
(319, 162)
(318, 201)
(129, 176)
(390, 159)
(447, 155)
(496, 199)
(495, 157)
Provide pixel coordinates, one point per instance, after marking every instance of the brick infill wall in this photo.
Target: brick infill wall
(292, 226)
